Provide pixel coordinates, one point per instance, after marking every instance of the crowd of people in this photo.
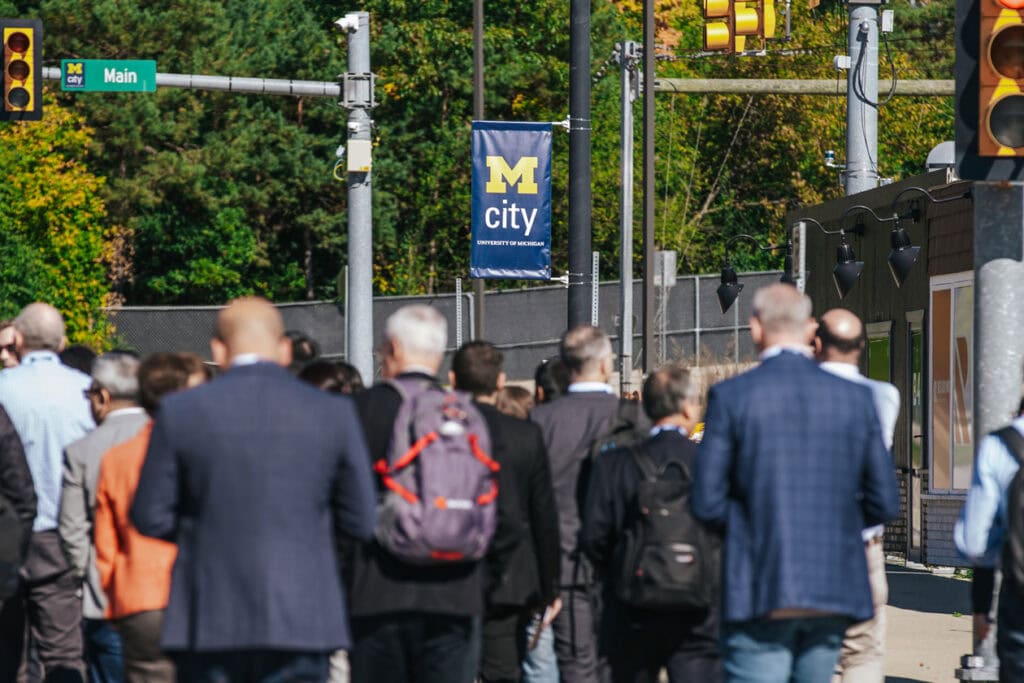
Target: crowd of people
(267, 517)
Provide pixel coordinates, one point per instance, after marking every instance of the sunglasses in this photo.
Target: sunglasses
(9, 348)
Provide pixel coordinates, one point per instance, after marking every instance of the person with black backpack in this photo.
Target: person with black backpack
(992, 524)
(660, 564)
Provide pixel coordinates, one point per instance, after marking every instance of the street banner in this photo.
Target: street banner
(511, 236)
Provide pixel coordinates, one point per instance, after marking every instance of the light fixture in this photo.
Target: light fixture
(903, 254)
(848, 268)
(730, 287)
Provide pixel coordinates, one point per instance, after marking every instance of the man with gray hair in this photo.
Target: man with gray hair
(47, 404)
(793, 467)
(571, 425)
(409, 622)
(114, 402)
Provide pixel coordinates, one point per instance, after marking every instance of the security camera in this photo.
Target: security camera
(348, 23)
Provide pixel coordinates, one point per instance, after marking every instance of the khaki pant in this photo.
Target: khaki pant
(862, 658)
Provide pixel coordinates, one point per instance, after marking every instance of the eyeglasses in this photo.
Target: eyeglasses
(92, 391)
(9, 348)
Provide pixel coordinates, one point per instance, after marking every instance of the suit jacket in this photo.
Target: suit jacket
(17, 504)
(246, 474)
(78, 500)
(378, 582)
(793, 464)
(570, 424)
(523, 559)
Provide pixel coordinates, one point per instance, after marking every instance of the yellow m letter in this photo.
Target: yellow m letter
(522, 174)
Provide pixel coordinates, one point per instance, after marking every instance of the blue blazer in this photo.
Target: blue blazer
(250, 474)
(793, 465)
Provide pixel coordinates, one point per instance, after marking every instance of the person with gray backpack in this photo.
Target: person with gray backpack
(416, 590)
(660, 564)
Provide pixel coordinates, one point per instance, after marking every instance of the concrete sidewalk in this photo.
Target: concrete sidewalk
(929, 626)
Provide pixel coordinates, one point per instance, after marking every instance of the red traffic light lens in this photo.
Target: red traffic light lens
(18, 42)
(18, 69)
(1011, 4)
(18, 97)
(1006, 121)
(1006, 52)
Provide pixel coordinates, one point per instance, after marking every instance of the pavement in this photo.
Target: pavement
(929, 625)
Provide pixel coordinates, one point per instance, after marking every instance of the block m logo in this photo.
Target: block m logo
(522, 174)
(75, 68)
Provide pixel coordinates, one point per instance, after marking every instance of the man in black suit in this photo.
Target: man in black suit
(250, 475)
(570, 425)
(641, 642)
(522, 563)
(409, 622)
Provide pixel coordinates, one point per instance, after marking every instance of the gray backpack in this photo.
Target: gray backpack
(440, 491)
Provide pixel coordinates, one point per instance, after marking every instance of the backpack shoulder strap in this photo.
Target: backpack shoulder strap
(649, 469)
(1014, 442)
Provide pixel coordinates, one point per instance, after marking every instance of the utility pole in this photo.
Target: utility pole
(357, 97)
(627, 60)
(862, 99)
(648, 179)
(579, 163)
(479, 284)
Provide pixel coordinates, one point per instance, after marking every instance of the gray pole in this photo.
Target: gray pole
(998, 334)
(862, 100)
(648, 182)
(627, 53)
(579, 162)
(360, 195)
(479, 284)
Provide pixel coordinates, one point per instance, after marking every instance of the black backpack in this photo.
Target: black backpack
(1013, 547)
(666, 559)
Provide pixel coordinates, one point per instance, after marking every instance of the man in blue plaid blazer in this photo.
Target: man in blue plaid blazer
(793, 466)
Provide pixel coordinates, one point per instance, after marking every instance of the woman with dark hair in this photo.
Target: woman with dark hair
(336, 377)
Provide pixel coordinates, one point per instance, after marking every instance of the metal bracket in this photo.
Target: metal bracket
(357, 90)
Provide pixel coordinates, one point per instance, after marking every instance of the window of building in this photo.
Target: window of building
(951, 339)
(879, 345)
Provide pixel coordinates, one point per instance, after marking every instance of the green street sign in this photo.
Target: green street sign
(108, 75)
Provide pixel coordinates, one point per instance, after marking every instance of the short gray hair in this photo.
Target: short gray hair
(583, 348)
(782, 309)
(41, 327)
(665, 390)
(118, 373)
(418, 328)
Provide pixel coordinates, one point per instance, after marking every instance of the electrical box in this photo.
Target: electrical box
(360, 156)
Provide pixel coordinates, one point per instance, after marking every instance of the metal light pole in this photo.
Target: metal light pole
(627, 55)
(479, 284)
(648, 181)
(862, 100)
(357, 97)
(579, 163)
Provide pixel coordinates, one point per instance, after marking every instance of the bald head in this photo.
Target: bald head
(782, 315)
(250, 325)
(40, 327)
(840, 337)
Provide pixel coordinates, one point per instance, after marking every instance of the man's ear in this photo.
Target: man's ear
(63, 344)
(284, 352)
(756, 331)
(502, 379)
(451, 379)
(219, 353)
(818, 347)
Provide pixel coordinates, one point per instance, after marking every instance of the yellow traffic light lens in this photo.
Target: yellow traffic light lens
(18, 69)
(18, 97)
(747, 21)
(717, 8)
(18, 42)
(1006, 52)
(1006, 121)
(717, 36)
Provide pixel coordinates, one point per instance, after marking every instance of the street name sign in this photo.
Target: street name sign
(108, 75)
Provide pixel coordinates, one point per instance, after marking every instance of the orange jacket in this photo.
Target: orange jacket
(135, 570)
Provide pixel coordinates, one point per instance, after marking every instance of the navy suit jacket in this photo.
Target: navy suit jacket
(793, 464)
(250, 474)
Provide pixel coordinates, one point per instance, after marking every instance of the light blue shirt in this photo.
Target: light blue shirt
(46, 403)
(981, 528)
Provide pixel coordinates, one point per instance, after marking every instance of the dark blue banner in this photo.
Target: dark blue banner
(511, 200)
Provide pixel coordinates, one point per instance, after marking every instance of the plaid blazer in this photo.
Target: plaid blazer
(793, 465)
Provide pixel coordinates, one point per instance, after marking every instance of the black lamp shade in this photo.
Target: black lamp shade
(903, 255)
(787, 271)
(847, 270)
(729, 289)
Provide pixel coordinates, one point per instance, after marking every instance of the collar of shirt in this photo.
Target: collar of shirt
(581, 387)
(135, 410)
(658, 429)
(247, 359)
(845, 370)
(40, 357)
(418, 370)
(778, 349)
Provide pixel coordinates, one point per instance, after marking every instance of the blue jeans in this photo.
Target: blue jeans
(803, 650)
(540, 664)
(102, 651)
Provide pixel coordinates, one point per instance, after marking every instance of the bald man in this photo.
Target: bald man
(838, 345)
(251, 475)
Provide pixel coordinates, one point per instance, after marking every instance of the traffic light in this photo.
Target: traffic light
(734, 22)
(22, 75)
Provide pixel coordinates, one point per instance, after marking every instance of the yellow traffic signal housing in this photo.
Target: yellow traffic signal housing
(1001, 79)
(734, 22)
(22, 75)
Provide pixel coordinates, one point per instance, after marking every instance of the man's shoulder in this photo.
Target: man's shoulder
(575, 402)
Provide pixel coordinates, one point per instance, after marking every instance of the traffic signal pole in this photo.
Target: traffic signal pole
(862, 100)
(479, 284)
(579, 163)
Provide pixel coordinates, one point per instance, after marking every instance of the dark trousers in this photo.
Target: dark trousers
(251, 666)
(504, 645)
(640, 643)
(144, 661)
(47, 606)
(102, 651)
(412, 647)
(575, 630)
(1010, 634)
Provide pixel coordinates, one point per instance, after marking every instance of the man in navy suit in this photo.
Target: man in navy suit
(794, 467)
(250, 475)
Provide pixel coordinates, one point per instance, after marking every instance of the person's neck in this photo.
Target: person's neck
(117, 405)
(784, 341)
(845, 360)
(595, 377)
(490, 399)
(676, 420)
